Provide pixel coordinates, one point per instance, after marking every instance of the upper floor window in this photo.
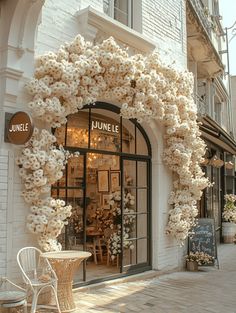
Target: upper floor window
(218, 112)
(120, 10)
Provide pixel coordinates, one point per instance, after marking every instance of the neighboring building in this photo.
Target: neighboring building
(206, 41)
(233, 97)
(108, 160)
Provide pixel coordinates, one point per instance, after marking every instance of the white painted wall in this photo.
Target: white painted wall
(233, 98)
(162, 22)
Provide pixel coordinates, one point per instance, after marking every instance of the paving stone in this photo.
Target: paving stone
(210, 290)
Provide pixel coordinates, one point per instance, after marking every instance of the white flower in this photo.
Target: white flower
(80, 73)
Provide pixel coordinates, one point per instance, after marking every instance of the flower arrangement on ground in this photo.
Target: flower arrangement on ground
(200, 257)
(79, 73)
(229, 213)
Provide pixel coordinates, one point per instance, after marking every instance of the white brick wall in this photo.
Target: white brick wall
(3, 209)
(164, 22)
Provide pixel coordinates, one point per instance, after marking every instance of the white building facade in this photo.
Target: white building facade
(31, 28)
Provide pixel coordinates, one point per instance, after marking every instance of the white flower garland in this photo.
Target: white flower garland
(41, 165)
(79, 74)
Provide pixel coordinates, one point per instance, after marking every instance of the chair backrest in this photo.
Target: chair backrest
(28, 259)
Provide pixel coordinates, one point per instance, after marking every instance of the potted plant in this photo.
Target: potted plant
(229, 217)
(193, 259)
(191, 262)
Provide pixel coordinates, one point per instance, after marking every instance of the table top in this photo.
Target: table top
(66, 254)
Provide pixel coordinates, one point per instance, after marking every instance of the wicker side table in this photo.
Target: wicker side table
(65, 263)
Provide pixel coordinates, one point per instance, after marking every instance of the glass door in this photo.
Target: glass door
(102, 215)
(135, 214)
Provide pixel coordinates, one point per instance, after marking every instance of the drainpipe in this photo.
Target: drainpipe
(231, 128)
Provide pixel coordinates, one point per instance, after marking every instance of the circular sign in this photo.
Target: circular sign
(20, 128)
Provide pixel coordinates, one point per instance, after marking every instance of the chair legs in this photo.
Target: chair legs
(100, 250)
(35, 299)
(34, 302)
(96, 248)
(95, 253)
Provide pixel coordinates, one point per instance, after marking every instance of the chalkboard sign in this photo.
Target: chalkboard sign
(203, 239)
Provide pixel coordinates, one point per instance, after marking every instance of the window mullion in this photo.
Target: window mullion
(111, 9)
(130, 13)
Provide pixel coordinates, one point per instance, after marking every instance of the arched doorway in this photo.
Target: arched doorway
(108, 186)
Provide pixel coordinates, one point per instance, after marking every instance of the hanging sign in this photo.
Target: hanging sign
(20, 128)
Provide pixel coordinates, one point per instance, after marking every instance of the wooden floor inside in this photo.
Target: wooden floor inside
(96, 271)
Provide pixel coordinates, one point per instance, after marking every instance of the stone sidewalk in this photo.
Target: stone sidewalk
(208, 290)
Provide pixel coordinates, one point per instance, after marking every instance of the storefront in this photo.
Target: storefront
(119, 186)
(108, 186)
(219, 167)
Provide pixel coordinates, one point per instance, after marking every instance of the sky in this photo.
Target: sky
(228, 12)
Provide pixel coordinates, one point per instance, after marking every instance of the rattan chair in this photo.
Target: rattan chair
(37, 274)
(95, 248)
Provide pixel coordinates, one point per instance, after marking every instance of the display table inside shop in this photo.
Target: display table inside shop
(65, 263)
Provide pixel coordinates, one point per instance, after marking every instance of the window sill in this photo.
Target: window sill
(100, 21)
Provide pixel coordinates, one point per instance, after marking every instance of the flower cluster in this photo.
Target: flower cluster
(76, 219)
(200, 257)
(79, 74)
(47, 221)
(229, 214)
(102, 218)
(41, 165)
(128, 222)
(115, 243)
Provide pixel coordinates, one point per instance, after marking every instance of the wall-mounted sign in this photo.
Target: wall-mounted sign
(20, 128)
(105, 127)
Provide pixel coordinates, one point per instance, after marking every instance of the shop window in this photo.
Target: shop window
(141, 147)
(77, 130)
(114, 163)
(128, 137)
(105, 131)
(218, 112)
(229, 173)
(60, 133)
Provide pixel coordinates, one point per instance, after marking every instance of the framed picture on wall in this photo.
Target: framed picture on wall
(92, 177)
(115, 181)
(105, 201)
(103, 181)
(115, 163)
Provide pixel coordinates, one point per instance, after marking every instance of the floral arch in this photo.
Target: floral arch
(81, 73)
